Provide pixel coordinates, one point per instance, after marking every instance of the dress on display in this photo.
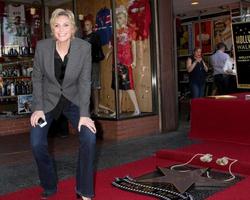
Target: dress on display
(139, 17)
(124, 59)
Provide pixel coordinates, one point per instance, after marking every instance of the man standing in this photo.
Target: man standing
(218, 61)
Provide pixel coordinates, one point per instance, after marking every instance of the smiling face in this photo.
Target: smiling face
(63, 29)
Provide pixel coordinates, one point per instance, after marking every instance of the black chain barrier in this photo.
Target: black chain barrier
(129, 184)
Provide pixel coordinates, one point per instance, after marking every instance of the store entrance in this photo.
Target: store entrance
(210, 32)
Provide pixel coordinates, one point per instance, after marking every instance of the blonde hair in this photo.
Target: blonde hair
(126, 19)
(61, 12)
(121, 10)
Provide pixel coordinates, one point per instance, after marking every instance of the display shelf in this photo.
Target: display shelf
(14, 72)
(13, 116)
(17, 77)
(14, 60)
(8, 97)
(14, 96)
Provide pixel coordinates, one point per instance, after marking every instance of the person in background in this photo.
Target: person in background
(230, 70)
(61, 84)
(197, 69)
(218, 60)
(97, 56)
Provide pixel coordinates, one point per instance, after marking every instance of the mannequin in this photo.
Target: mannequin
(97, 56)
(126, 58)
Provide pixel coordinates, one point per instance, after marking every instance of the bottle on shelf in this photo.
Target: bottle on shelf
(12, 89)
(18, 88)
(18, 68)
(1, 86)
(4, 73)
(8, 88)
(24, 90)
(28, 88)
(1, 90)
(24, 71)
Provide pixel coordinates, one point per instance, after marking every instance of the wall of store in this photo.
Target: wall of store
(167, 70)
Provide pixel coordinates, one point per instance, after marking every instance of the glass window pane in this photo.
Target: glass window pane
(134, 64)
(124, 30)
(96, 27)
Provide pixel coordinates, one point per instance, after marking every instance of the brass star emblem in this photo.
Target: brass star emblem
(182, 181)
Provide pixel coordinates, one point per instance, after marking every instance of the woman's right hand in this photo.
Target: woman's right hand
(35, 116)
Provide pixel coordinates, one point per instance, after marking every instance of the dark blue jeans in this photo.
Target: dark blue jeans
(221, 82)
(45, 164)
(197, 89)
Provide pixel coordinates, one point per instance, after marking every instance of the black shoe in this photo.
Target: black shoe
(46, 194)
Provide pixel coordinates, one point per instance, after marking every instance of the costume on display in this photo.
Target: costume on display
(139, 17)
(125, 58)
(36, 31)
(16, 31)
(103, 25)
(16, 11)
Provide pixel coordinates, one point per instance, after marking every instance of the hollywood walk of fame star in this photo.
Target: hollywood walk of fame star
(182, 181)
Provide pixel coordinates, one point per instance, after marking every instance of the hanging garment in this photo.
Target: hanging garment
(139, 17)
(103, 26)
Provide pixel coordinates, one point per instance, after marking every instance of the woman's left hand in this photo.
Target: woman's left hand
(89, 123)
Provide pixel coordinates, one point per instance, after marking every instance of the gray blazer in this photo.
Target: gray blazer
(77, 79)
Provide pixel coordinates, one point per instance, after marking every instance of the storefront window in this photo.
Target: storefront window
(133, 21)
(124, 28)
(22, 25)
(21, 28)
(123, 49)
